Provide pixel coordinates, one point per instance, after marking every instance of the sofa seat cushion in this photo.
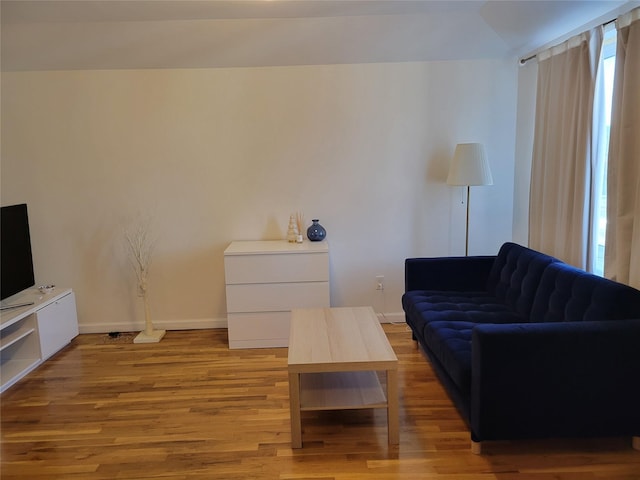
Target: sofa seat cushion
(425, 306)
(450, 343)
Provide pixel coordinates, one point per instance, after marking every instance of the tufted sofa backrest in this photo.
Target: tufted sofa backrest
(516, 274)
(569, 294)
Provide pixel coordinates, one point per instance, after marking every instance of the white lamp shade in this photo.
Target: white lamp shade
(470, 166)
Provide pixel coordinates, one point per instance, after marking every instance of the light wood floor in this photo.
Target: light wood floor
(189, 408)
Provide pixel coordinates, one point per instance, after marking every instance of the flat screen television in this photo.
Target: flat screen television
(16, 260)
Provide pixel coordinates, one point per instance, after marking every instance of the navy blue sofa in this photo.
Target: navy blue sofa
(528, 346)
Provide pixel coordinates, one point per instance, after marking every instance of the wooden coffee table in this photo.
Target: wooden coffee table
(334, 357)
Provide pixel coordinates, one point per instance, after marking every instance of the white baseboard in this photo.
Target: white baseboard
(195, 324)
(175, 324)
(391, 317)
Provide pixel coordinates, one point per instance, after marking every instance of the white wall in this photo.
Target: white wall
(223, 154)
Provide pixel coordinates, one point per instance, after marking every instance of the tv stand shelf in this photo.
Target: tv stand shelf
(31, 334)
(23, 329)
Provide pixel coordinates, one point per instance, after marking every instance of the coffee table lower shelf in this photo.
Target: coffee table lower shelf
(341, 391)
(348, 390)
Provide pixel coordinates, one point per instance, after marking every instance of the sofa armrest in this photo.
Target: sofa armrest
(447, 273)
(555, 379)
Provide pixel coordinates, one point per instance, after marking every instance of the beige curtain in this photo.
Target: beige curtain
(561, 164)
(622, 253)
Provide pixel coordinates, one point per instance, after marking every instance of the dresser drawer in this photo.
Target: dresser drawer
(271, 297)
(291, 267)
(258, 330)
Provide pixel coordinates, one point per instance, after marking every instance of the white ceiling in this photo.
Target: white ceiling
(115, 34)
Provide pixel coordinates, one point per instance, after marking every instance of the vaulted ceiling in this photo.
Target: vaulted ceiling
(100, 34)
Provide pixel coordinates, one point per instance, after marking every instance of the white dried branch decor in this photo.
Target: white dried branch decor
(140, 248)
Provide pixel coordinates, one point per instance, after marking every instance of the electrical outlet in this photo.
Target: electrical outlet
(380, 282)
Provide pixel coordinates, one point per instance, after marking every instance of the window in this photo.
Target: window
(603, 116)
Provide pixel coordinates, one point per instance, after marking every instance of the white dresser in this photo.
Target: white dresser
(264, 281)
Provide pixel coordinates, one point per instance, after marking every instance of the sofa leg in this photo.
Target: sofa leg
(476, 447)
(635, 443)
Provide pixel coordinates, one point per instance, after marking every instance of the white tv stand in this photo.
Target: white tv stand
(30, 334)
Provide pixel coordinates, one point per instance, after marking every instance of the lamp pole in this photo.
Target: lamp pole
(466, 231)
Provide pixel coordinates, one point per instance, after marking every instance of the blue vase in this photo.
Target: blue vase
(316, 232)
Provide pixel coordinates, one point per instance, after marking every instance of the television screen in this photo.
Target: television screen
(16, 261)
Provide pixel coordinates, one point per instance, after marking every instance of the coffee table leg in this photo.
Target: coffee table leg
(294, 404)
(393, 413)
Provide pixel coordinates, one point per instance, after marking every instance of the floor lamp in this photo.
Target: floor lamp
(469, 167)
